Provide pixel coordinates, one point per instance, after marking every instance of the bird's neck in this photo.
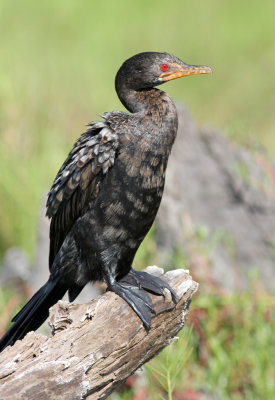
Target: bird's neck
(153, 103)
(139, 100)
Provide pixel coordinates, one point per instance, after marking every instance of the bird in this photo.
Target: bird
(106, 195)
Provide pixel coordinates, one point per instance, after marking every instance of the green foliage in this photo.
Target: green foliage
(10, 303)
(167, 369)
(225, 351)
(236, 344)
(58, 61)
(233, 352)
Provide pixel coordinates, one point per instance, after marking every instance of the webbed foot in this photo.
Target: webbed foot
(133, 288)
(137, 298)
(148, 282)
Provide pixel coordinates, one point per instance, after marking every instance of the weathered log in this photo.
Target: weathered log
(94, 347)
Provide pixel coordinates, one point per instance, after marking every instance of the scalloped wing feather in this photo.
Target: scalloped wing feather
(78, 180)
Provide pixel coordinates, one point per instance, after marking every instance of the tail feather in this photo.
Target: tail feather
(34, 313)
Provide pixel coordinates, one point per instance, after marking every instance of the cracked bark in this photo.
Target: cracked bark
(95, 345)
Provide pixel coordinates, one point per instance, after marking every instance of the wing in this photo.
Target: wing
(78, 180)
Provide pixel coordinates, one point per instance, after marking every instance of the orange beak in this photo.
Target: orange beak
(185, 71)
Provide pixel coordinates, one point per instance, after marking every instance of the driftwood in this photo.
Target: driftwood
(95, 345)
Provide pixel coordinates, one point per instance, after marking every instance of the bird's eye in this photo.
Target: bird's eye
(164, 67)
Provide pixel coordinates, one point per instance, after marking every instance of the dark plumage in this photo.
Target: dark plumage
(105, 197)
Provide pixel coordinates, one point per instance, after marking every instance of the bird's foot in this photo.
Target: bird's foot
(148, 282)
(137, 298)
(133, 288)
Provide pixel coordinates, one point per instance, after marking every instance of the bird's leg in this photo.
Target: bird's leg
(148, 282)
(133, 294)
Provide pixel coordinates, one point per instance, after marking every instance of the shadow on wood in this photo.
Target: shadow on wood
(95, 345)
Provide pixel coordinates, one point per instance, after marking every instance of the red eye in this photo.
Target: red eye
(164, 67)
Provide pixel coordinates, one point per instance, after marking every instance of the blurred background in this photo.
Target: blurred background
(58, 63)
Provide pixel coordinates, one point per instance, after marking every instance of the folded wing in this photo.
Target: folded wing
(77, 183)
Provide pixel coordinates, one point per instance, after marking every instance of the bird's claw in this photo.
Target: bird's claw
(133, 288)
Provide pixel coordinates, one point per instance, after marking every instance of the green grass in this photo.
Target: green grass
(236, 344)
(58, 62)
(166, 371)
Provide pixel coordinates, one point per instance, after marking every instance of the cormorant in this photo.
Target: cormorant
(105, 197)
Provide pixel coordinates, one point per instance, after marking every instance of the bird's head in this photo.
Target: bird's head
(149, 69)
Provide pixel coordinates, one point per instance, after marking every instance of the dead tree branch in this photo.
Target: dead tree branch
(95, 346)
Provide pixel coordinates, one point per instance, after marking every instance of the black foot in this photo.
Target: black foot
(137, 298)
(133, 288)
(148, 282)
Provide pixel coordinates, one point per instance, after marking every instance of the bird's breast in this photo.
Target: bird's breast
(135, 187)
(144, 158)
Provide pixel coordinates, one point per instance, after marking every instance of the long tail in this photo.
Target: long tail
(35, 312)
